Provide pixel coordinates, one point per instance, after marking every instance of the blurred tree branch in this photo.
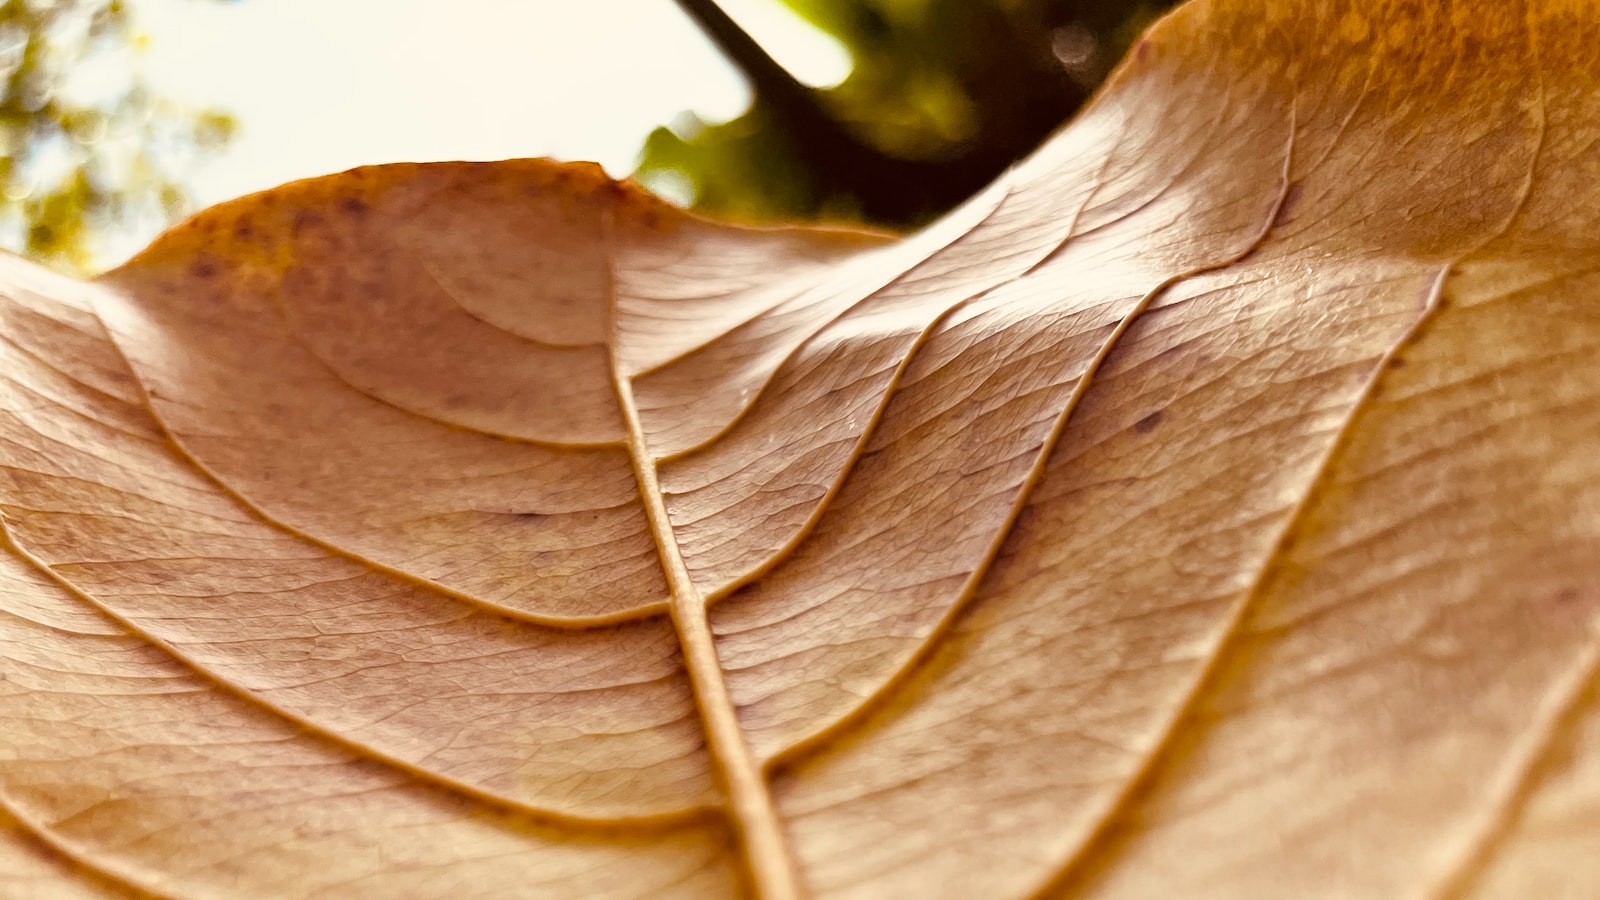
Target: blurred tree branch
(945, 94)
(885, 184)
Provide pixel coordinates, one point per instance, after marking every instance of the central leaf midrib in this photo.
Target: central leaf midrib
(762, 837)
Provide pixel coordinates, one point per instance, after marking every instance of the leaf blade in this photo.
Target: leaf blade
(1220, 479)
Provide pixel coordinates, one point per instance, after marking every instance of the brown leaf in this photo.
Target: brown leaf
(1210, 508)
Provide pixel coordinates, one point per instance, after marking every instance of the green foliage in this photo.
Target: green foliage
(943, 96)
(85, 146)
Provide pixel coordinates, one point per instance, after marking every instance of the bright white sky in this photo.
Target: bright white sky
(323, 85)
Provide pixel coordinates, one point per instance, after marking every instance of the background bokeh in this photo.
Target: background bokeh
(120, 115)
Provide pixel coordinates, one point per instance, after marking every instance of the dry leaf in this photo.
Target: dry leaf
(1209, 509)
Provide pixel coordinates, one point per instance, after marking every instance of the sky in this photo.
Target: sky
(320, 86)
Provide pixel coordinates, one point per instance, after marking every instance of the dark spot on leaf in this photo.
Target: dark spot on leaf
(1397, 363)
(243, 230)
(355, 206)
(203, 268)
(1149, 423)
(1567, 605)
(304, 220)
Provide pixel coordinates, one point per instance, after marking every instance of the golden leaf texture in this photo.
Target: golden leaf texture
(1211, 508)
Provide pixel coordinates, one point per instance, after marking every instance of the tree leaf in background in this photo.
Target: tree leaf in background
(85, 147)
(1209, 508)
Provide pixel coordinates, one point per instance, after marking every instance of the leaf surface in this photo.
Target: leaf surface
(1211, 507)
